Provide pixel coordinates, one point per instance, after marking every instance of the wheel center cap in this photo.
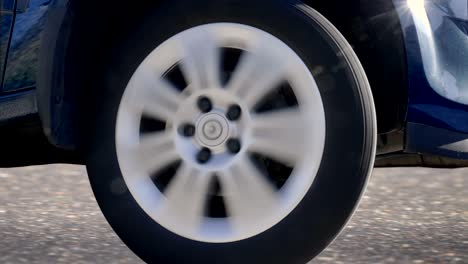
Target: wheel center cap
(212, 129)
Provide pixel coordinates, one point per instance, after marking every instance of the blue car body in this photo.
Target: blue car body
(435, 35)
(436, 40)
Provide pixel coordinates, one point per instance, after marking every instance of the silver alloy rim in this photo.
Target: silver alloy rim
(294, 136)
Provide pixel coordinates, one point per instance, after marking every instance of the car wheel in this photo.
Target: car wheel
(231, 131)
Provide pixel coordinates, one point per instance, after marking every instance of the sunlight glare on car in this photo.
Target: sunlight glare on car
(417, 7)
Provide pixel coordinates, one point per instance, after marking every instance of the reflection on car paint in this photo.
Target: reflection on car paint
(6, 20)
(436, 38)
(22, 63)
(443, 43)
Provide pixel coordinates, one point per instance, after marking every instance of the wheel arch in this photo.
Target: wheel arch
(374, 31)
(77, 32)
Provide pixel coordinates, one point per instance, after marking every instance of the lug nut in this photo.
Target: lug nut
(233, 145)
(187, 130)
(204, 104)
(234, 112)
(204, 155)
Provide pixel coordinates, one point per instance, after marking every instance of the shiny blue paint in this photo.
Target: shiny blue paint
(7, 5)
(426, 106)
(22, 64)
(6, 22)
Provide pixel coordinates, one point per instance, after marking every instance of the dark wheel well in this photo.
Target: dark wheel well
(373, 29)
(82, 38)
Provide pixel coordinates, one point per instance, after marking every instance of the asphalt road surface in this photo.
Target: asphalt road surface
(48, 215)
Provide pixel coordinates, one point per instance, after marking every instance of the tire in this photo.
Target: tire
(345, 158)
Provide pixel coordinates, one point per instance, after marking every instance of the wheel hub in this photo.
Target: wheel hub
(212, 130)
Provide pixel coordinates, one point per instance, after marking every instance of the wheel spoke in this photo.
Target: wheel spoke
(247, 193)
(156, 150)
(201, 62)
(162, 101)
(258, 73)
(186, 198)
(279, 135)
(159, 98)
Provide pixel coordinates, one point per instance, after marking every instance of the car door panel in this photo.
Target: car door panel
(6, 22)
(22, 63)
